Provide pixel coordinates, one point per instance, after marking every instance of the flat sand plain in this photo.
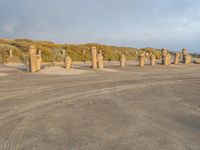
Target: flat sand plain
(132, 108)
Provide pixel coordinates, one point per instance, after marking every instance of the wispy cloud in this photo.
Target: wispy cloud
(139, 23)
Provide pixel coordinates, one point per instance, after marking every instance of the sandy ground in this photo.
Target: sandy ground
(132, 108)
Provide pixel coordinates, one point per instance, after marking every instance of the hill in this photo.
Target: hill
(52, 52)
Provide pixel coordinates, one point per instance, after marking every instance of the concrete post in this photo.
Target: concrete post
(100, 61)
(184, 53)
(190, 59)
(168, 59)
(63, 54)
(153, 60)
(68, 63)
(176, 58)
(28, 65)
(38, 63)
(142, 59)
(33, 59)
(39, 53)
(11, 54)
(187, 59)
(94, 57)
(84, 52)
(164, 54)
(122, 60)
(165, 60)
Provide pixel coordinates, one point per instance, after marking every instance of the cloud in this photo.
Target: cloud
(137, 23)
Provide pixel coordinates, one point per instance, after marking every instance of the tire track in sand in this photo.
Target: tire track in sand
(15, 136)
(17, 132)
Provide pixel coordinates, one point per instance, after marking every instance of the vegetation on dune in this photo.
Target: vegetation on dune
(4, 53)
(52, 52)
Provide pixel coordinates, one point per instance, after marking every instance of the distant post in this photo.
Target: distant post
(39, 60)
(94, 57)
(153, 60)
(168, 59)
(176, 58)
(100, 61)
(164, 55)
(122, 60)
(11, 54)
(33, 59)
(63, 54)
(142, 59)
(68, 63)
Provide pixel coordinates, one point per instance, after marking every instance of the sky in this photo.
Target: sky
(172, 24)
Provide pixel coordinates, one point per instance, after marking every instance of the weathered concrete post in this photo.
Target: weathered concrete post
(38, 60)
(164, 55)
(68, 63)
(33, 59)
(63, 54)
(28, 65)
(10, 54)
(100, 61)
(94, 57)
(187, 59)
(122, 60)
(142, 59)
(168, 59)
(184, 53)
(153, 60)
(190, 59)
(39, 53)
(84, 52)
(176, 58)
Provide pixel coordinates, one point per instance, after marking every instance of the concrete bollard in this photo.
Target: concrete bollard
(165, 60)
(28, 65)
(94, 57)
(83, 52)
(187, 59)
(33, 59)
(68, 63)
(184, 53)
(38, 60)
(168, 59)
(153, 60)
(142, 59)
(100, 61)
(190, 59)
(122, 60)
(63, 54)
(176, 58)
(39, 53)
(164, 54)
(10, 54)
(38, 63)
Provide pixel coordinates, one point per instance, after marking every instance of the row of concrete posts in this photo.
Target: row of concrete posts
(35, 59)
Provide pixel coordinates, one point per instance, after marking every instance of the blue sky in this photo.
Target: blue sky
(173, 24)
